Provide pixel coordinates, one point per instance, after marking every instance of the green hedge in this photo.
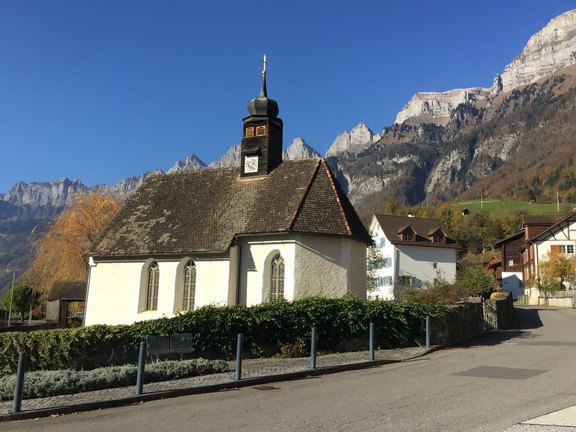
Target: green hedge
(341, 323)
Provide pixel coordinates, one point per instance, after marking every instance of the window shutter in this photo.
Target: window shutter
(554, 248)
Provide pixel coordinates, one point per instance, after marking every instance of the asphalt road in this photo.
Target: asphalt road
(489, 385)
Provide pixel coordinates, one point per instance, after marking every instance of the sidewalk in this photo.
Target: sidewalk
(254, 372)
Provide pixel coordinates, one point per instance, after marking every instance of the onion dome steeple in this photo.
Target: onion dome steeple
(263, 106)
(262, 135)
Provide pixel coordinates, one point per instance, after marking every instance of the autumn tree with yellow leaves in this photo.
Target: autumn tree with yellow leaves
(556, 269)
(59, 255)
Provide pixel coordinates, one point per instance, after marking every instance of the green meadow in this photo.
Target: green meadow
(498, 207)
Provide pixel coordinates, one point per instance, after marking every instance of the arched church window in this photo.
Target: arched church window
(152, 288)
(277, 282)
(189, 291)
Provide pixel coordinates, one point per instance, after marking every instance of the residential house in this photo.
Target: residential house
(511, 276)
(414, 251)
(553, 234)
(268, 230)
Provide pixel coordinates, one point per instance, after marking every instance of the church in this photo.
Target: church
(268, 230)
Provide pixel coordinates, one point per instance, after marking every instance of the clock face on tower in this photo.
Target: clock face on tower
(250, 164)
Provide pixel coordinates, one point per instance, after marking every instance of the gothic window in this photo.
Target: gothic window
(189, 292)
(277, 282)
(249, 132)
(152, 288)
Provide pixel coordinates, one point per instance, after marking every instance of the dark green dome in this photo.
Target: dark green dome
(263, 106)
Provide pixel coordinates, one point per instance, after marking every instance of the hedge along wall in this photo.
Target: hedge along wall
(341, 324)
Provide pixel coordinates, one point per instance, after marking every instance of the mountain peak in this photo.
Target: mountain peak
(191, 163)
(353, 141)
(547, 51)
(299, 149)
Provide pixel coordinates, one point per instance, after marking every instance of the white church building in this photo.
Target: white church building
(270, 229)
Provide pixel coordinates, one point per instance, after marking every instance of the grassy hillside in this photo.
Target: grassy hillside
(501, 208)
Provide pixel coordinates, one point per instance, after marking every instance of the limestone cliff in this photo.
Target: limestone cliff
(434, 107)
(354, 141)
(552, 48)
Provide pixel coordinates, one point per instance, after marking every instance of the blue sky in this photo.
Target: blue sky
(100, 90)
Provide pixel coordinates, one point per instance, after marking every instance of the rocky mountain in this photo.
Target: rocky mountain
(231, 158)
(191, 163)
(434, 107)
(354, 141)
(299, 150)
(505, 140)
(549, 50)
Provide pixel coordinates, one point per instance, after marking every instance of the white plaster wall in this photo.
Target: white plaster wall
(330, 266)
(113, 293)
(512, 283)
(114, 289)
(418, 261)
(386, 291)
(253, 254)
(212, 282)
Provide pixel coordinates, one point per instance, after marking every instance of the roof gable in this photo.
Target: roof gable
(424, 230)
(562, 224)
(202, 211)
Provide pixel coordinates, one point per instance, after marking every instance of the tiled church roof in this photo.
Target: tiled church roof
(202, 211)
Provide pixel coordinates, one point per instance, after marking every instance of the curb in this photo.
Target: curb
(167, 394)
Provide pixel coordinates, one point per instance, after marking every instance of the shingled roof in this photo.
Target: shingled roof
(70, 290)
(424, 228)
(202, 211)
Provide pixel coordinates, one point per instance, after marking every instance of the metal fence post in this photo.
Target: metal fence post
(16, 406)
(239, 344)
(427, 331)
(371, 341)
(141, 362)
(313, 348)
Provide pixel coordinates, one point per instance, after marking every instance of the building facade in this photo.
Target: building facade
(414, 251)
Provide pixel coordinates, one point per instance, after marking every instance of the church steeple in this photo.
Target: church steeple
(262, 137)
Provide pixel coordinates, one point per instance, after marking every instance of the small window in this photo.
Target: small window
(382, 242)
(510, 262)
(562, 249)
(570, 249)
(261, 130)
(388, 280)
(387, 262)
(249, 132)
(405, 280)
(408, 236)
(152, 289)
(189, 292)
(438, 238)
(277, 288)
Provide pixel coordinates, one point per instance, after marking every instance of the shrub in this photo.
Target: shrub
(267, 327)
(59, 382)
